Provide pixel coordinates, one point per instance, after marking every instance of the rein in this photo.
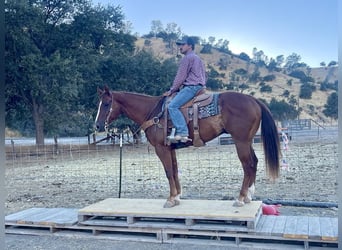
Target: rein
(146, 123)
(155, 120)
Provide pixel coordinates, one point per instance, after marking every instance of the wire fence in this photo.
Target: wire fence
(77, 174)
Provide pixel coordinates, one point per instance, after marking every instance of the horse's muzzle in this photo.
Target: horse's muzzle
(99, 127)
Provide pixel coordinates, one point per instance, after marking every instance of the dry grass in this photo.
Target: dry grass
(318, 100)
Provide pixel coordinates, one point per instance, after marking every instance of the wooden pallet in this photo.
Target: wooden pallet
(306, 230)
(193, 214)
(168, 227)
(38, 219)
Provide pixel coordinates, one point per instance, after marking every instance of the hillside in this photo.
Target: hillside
(311, 108)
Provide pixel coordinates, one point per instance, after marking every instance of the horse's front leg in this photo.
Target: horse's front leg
(175, 172)
(168, 159)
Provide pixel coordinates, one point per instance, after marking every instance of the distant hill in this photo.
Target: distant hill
(311, 108)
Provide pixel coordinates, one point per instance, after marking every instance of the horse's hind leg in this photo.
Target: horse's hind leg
(249, 163)
(251, 186)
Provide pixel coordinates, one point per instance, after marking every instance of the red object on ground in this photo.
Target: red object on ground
(270, 209)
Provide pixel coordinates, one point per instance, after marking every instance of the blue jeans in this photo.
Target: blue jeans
(177, 117)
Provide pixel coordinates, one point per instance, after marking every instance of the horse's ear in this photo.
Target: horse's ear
(106, 89)
(99, 91)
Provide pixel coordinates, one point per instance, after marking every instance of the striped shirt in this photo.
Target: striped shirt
(191, 71)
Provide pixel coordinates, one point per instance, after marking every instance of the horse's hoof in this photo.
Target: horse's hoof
(177, 199)
(169, 204)
(247, 199)
(238, 203)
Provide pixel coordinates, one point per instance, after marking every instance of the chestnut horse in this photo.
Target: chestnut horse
(240, 116)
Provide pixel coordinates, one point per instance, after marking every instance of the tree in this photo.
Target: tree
(156, 27)
(332, 63)
(254, 77)
(223, 63)
(142, 73)
(206, 49)
(282, 111)
(306, 90)
(272, 65)
(49, 47)
(331, 107)
(173, 32)
(302, 76)
(259, 57)
(292, 61)
(211, 40)
(222, 46)
(266, 88)
(286, 93)
(280, 60)
(244, 56)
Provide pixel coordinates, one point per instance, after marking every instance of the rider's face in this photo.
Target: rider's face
(183, 48)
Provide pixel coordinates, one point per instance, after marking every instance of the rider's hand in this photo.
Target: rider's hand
(167, 93)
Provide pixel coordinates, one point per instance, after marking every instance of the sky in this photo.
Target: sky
(308, 28)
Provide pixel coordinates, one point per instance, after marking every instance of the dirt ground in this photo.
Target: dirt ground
(77, 177)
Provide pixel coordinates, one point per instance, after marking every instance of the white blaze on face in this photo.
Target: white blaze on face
(98, 111)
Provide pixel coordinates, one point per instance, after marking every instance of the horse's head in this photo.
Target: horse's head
(104, 107)
(108, 109)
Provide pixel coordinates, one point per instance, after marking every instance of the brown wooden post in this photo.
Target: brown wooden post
(56, 144)
(13, 149)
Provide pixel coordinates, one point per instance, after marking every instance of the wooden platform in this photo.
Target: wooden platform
(207, 222)
(49, 218)
(191, 212)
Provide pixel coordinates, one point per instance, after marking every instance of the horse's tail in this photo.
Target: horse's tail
(270, 140)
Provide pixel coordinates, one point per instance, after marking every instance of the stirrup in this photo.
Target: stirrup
(178, 138)
(182, 138)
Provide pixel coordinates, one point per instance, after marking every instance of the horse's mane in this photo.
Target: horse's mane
(136, 94)
(156, 101)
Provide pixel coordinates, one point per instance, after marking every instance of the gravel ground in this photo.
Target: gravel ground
(78, 178)
(14, 242)
(82, 177)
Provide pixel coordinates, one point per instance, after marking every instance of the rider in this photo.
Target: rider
(189, 80)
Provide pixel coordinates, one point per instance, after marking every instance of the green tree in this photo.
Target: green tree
(255, 76)
(286, 93)
(156, 27)
(141, 73)
(306, 90)
(222, 46)
(280, 60)
(291, 62)
(244, 56)
(206, 49)
(331, 107)
(272, 66)
(266, 88)
(281, 110)
(52, 49)
(332, 63)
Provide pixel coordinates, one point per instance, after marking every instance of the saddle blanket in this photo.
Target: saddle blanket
(206, 111)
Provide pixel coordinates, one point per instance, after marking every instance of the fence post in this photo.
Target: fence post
(120, 173)
(56, 144)
(13, 149)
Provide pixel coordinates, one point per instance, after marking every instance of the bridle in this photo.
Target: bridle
(154, 119)
(106, 123)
